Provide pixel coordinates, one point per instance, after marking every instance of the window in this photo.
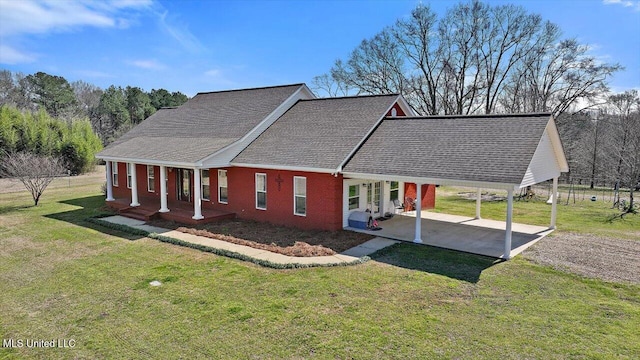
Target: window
(114, 172)
(394, 193)
(205, 184)
(354, 197)
(261, 191)
(151, 183)
(129, 175)
(222, 186)
(300, 195)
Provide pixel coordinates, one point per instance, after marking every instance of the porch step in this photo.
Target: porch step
(138, 213)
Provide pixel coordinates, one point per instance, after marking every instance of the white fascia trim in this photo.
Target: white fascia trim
(524, 185)
(285, 105)
(365, 137)
(436, 181)
(405, 106)
(149, 162)
(554, 135)
(284, 167)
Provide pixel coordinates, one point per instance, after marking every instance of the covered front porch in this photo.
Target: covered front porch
(461, 233)
(181, 212)
(148, 191)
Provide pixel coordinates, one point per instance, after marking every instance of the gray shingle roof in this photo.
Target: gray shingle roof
(203, 125)
(317, 133)
(493, 148)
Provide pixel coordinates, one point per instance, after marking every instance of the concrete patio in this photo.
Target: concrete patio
(467, 234)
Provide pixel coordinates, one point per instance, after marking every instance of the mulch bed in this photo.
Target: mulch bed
(278, 239)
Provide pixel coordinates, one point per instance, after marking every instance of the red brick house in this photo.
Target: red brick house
(281, 155)
(270, 154)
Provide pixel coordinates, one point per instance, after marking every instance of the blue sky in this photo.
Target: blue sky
(193, 46)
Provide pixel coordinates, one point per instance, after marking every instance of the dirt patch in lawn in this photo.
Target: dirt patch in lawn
(609, 259)
(279, 239)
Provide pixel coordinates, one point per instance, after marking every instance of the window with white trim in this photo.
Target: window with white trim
(300, 195)
(204, 176)
(354, 196)
(222, 187)
(261, 191)
(114, 172)
(129, 175)
(151, 179)
(394, 192)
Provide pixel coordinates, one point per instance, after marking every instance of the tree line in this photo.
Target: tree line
(479, 58)
(111, 111)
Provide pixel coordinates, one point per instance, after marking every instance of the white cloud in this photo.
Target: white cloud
(219, 77)
(24, 17)
(92, 74)
(147, 64)
(626, 3)
(179, 32)
(33, 17)
(10, 56)
(213, 72)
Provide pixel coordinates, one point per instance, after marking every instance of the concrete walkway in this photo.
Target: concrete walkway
(349, 256)
(476, 236)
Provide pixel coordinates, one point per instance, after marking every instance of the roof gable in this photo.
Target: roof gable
(488, 149)
(212, 120)
(317, 133)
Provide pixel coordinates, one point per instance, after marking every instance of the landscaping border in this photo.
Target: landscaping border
(220, 252)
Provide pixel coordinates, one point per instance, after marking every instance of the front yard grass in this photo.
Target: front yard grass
(64, 278)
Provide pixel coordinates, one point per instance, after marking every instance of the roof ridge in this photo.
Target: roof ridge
(253, 88)
(351, 97)
(481, 116)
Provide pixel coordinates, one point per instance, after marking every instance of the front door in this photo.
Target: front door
(184, 184)
(374, 198)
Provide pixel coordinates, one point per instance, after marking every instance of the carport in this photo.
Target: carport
(505, 152)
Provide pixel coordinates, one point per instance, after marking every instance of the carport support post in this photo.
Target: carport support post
(418, 238)
(507, 236)
(134, 184)
(163, 189)
(478, 200)
(554, 203)
(197, 198)
(109, 164)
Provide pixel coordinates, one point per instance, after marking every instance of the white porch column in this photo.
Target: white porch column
(507, 236)
(418, 238)
(109, 164)
(134, 184)
(163, 189)
(197, 198)
(554, 203)
(478, 200)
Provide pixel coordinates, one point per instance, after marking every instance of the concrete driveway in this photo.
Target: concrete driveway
(476, 236)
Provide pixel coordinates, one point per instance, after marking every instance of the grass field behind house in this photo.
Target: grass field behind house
(63, 278)
(586, 217)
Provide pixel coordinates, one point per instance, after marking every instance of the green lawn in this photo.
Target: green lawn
(63, 278)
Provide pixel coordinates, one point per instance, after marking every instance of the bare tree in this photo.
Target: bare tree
(327, 85)
(88, 98)
(477, 58)
(624, 144)
(34, 171)
(416, 36)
